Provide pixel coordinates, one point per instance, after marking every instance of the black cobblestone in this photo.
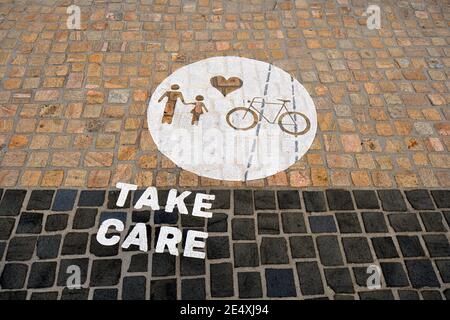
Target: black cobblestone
(75, 295)
(410, 246)
(64, 200)
(105, 294)
(339, 280)
(13, 276)
(138, 263)
(11, 202)
(99, 250)
(302, 247)
(119, 215)
(322, 224)
(243, 202)
(243, 229)
(376, 295)
(2, 249)
(42, 275)
(193, 289)
(288, 199)
(218, 247)
(141, 216)
(348, 222)
(134, 288)
(437, 245)
(447, 217)
(366, 199)
(56, 222)
(404, 222)
(84, 218)
(309, 278)
(192, 222)
(249, 284)
(361, 275)
(280, 283)
(30, 222)
(163, 289)
(91, 198)
(43, 296)
(246, 255)
(222, 200)
(419, 199)
(274, 251)
(339, 199)
(221, 277)
(75, 243)
(218, 223)
(442, 198)
(268, 223)
(264, 200)
(421, 273)
(21, 248)
(48, 246)
(40, 200)
(6, 227)
(431, 295)
(444, 269)
(13, 295)
(408, 295)
(293, 222)
(329, 252)
(314, 201)
(384, 248)
(163, 265)
(357, 250)
(192, 266)
(105, 272)
(374, 222)
(394, 274)
(433, 221)
(392, 200)
(163, 217)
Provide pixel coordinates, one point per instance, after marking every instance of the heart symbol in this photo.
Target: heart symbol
(226, 86)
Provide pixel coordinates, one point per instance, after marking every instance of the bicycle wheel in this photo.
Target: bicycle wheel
(242, 118)
(295, 123)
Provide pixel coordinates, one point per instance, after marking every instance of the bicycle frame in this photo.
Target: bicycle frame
(263, 102)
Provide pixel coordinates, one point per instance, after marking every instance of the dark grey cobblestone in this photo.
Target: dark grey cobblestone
(384, 248)
(249, 284)
(288, 199)
(193, 289)
(374, 222)
(30, 222)
(420, 199)
(366, 199)
(64, 200)
(261, 244)
(293, 222)
(56, 222)
(339, 280)
(40, 200)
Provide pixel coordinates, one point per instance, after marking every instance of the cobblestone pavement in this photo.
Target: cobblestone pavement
(262, 244)
(73, 103)
(372, 189)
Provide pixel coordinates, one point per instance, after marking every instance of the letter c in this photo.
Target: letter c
(101, 234)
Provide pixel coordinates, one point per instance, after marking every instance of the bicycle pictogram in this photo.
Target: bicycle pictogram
(246, 118)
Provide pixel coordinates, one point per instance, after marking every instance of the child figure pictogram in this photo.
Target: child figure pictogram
(197, 111)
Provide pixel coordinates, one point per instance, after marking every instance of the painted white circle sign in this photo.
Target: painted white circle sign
(232, 118)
